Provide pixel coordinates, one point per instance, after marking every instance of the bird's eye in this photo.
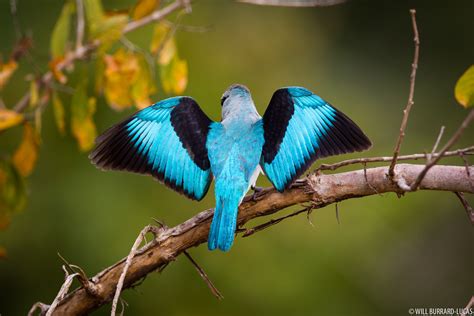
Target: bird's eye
(223, 99)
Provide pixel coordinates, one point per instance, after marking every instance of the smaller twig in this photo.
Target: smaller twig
(204, 276)
(62, 292)
(430, 163)
(128, 262)
(467, 206)
(189, 28)
(435, 146)
(250, 231)
(406, 112)
(337, 165)
(469, 305)
(337, 214)
(80, 23)
(38, 305)
(14, 14)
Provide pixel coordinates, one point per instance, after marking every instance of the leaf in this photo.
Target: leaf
(9, 118)
(24, 158)
(12, 189)
(174, 76)
(82, 124)
(6, 71)
(464, 90)
(121, 73)
(106, 29)
(94, 12)
(59, 114)
(144, 8)
(109, 30)
(33, 93)
(161, 38)
(143, 86)
(57, 73)
(61, 31)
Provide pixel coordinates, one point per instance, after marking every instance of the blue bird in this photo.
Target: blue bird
(176, 142)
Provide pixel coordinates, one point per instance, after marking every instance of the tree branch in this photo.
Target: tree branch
(82, 51)
(320, 190)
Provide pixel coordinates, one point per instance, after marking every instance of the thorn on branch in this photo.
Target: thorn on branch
(204, 276)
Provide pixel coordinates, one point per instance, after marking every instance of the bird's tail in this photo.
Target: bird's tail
(229, 194)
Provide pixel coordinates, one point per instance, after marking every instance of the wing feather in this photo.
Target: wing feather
(300, 127)
(166, 140)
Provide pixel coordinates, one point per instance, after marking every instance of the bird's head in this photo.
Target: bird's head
(236, 99)
(235, 91)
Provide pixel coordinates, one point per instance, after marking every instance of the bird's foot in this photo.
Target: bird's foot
(257, 191)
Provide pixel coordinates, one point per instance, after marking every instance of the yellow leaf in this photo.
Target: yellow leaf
(26, 154)
(6, 71)
(9, 118)
(109, 30)
(61, 31)
(464, 90)
(33, 93)
(168, 52)
(144, 8)
(82, 124)
(59, 114)
(143, 87)
(174, 76)
(121, 73)
(57, 73)
(160, 35)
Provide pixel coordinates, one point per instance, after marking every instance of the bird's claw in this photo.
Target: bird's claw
(256, 193)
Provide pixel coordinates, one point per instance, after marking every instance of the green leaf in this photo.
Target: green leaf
(82, 112)
(59, 113)
(94, 12)
(12, 189)
(464, 90)
(174, 76)
(61, 31)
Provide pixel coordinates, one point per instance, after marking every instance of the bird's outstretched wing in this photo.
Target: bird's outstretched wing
(166, 140)
(300, 127)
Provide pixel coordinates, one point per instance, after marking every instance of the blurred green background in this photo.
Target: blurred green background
(385, 256)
